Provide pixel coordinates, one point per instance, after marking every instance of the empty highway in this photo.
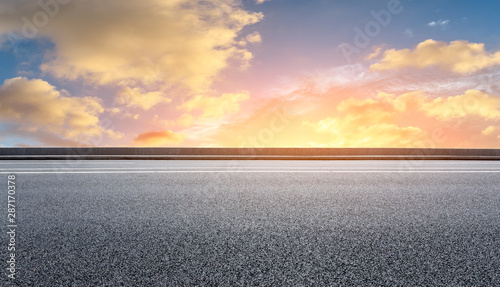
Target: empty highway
(249, 223)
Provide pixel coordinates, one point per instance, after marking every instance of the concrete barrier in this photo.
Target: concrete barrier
(108, 153)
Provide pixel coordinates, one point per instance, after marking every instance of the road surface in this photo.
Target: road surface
(248, 223)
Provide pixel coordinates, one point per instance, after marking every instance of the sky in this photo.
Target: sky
(250, 73)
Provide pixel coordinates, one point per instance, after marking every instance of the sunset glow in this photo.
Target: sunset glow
(251, 73)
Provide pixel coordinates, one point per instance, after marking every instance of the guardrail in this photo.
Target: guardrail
(124, 153)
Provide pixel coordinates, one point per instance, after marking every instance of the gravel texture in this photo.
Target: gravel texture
(258, 229)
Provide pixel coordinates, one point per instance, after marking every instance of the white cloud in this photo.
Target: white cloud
(261, 1)
(439, 23)
(408, 33)
(461, 57)
(254, 38)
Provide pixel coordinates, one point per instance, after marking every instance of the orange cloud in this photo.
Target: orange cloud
(489, 130)
(348, 134)
(216, 107)
(185, 120)
(366, 123)
(374, 54)
(472, 103)
(133, 97)
(458, 56)
(160, 138)
(337, 119)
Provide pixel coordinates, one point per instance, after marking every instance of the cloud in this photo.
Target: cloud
(26, 137)
(216, 107)
(408, 33)
(254, 38)
(35, 106)
(489, 130)
(345, 124)
(376, 52)
(367, 123)
(472, 103)
(439, 23)
(374, 122)
(185, 120)
(115, 41)
(115, 135)
(133, 97)
(343, 134)
(159, 138)
(261, 1)
(459, 57)
(324, 110)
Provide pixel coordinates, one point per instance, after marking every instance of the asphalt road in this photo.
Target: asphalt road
(254, 223)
